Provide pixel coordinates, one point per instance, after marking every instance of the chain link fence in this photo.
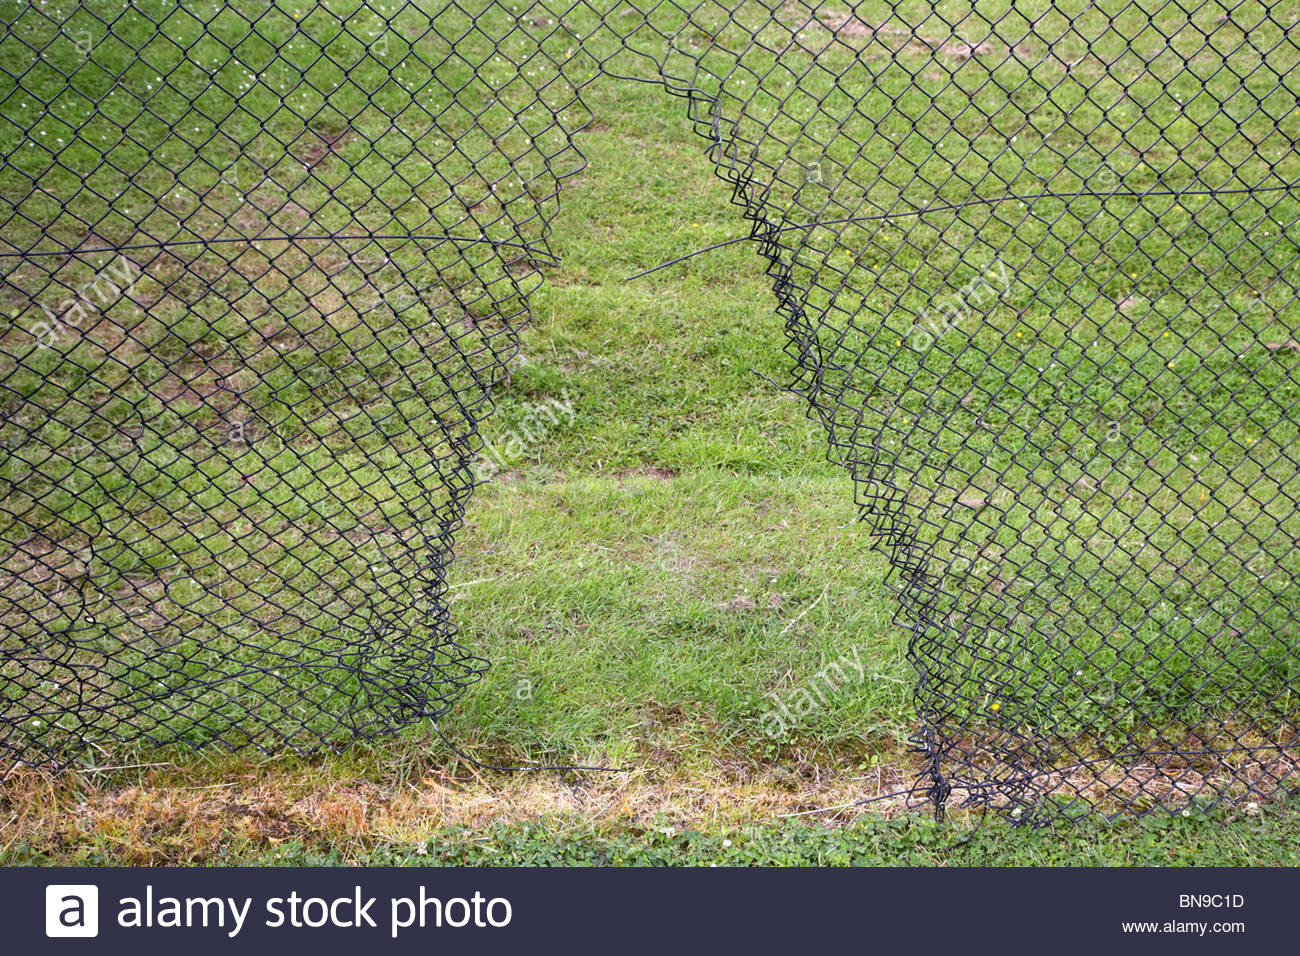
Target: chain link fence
(263, 262)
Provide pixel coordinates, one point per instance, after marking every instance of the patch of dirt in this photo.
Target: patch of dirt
(647, 471)
(845, 25)
(958, 50)
(145, 603)
(315, 145)
(282, 337)
(522, 267)
(39, 560)
(266, 822)
(200, 384)
(251, 222)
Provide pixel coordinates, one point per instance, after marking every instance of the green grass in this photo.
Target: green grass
(656, 573)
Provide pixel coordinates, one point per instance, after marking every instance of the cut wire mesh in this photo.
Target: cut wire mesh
(1037, 264)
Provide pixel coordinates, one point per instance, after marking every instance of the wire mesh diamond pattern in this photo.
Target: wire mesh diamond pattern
(265, 262)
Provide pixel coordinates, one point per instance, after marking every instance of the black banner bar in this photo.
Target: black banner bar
(194, 911)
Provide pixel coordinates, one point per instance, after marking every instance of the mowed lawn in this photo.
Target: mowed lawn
(668, 575)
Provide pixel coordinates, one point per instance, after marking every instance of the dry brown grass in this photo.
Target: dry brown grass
(197, 813)
(231, 810)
